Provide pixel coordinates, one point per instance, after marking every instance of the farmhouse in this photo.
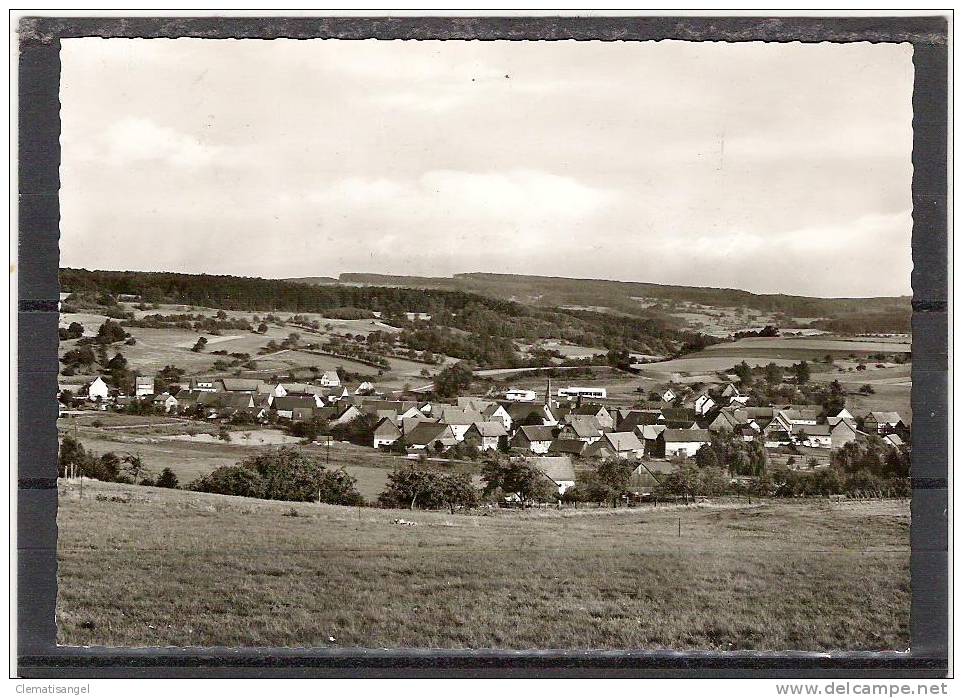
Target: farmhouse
(386, 433)
(165, 401)
(459, 420)
(497, 412)
(842, 433)
(883, 423)
(143, 385)
(558, 469)
(97, 389)
(582, 428)
(348, 414)
(617, 444)
(605, 419)
(486, 436)
(567, 447)
(295, 407)
(430, 435)
(704, 404)
(648, 475)
(814, 436)
(201, 385)
(330, 379)
(683, 442)
(536, 439)
(240, 385)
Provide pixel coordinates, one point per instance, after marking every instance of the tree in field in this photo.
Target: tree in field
(117, 363)
(221, 315)
(606, 482)
(359, 430)
(453, 380)
(285, 474)
(517, 476)
(74, 331)
(81, 357)
(110, 332)
(413, 486)
(167, 478)
(802, 373)
(773, 373)
(262, 328)
(744, 372)
(73, 455)
(134, 467)
(199, 344)
(706, 457)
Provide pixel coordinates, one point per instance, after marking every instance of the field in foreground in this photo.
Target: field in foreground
(147, 567)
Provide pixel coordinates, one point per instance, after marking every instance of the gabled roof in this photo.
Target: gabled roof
(487, 429)
(650, 431)
(894, 439)
(685, 435)
(678, 414)
(556, 468)
(519, 411)
(585, 427)
(164, 397)
(427, 432)
(457, 416)
(242, 384)
(225, 400)
(537, 433)
(492, 409)
(842, 424)
(291, 402)
(386, 427)
(885, 417)
(589, 409)
(622, 441)
(574, 447)
(635, 418)
(811, 429)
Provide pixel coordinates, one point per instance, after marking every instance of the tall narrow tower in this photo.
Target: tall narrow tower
(548, 392)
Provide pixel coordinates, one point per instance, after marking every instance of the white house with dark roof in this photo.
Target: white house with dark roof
(684, 442)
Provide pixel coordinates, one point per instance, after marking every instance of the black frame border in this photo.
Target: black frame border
(38, 222)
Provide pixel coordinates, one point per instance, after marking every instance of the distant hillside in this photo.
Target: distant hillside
(484, 328)
(882, 314)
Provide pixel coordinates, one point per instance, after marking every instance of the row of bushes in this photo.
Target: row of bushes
(75, 461)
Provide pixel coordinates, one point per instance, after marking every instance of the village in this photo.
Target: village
(558, 431)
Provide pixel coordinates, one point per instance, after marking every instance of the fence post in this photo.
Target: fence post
(680, 527)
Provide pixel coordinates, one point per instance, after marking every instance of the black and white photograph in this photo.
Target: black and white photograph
(485, 345)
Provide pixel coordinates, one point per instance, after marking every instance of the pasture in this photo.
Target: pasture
(149, 567)
(191, 457)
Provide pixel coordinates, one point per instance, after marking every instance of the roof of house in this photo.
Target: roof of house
(795, 414)
(678, 414)
(537, 433)
(894, 439)
(811, 429)
(686, 435)
(841, 423)
(492, 409)
(242, 384)
(426, 432)
(585, 427)
(623, 441)
(458, 416)
(573, 447)
(225, 400)
(519, 411)
(635, 418)
(885, 417)
(291, 402)
(556, 468)
(144, 380)
(589, 409)
(386, 427)
(164, 397)
(488, 429)
(650, 431)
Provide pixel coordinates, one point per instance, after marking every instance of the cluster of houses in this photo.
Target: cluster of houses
(556, 431)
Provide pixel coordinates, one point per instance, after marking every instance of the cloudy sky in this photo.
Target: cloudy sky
(770, 167)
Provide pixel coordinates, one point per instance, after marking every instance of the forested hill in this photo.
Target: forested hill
(881, 314)
(492, 324)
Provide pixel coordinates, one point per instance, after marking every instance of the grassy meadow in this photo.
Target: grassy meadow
(149, 567)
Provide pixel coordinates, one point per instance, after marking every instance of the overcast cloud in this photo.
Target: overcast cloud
(769, 167)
